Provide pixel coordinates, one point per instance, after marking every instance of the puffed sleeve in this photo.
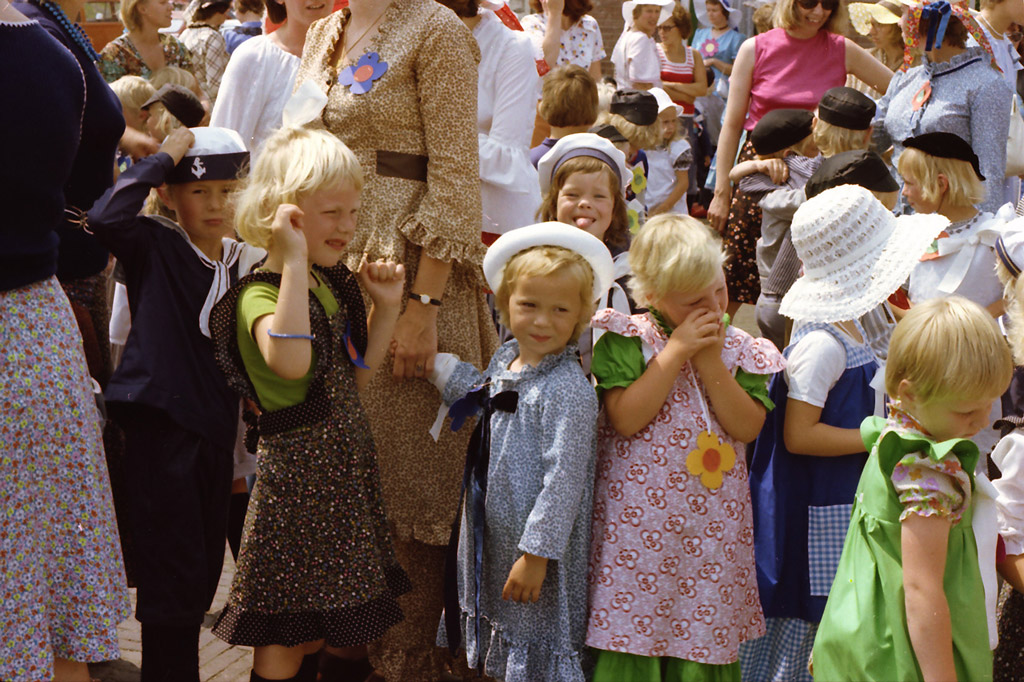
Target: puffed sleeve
(990, 127)
(569, 443)
(447, 223)
(927, 487)
(1009, 457)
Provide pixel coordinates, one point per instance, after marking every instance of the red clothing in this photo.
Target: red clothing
(677, 72)
(790, 73)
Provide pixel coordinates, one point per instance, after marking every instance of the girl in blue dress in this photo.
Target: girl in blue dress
(808, 459)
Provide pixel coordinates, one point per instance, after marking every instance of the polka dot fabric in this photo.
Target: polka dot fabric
(63, 587)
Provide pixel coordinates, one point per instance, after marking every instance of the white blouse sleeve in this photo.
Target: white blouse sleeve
(814, 366)
(1009, 457)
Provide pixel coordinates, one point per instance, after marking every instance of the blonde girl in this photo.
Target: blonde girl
(316, 564)
(908, 600)
(669, 161)
(672, 583)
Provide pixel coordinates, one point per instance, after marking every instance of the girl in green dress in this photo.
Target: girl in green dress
(892, 613)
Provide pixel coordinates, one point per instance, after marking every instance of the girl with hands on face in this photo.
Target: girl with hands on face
(672, 530)
(294, 337)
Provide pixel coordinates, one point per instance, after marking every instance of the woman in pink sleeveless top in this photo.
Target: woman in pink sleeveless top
(788, 67)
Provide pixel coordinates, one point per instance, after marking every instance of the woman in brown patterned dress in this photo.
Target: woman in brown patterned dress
(400, 77)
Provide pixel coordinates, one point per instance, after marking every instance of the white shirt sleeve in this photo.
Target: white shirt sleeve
(1009, 457)
(814, 366)
(642, 65)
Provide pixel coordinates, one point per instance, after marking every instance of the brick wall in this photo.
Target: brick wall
(609, 17)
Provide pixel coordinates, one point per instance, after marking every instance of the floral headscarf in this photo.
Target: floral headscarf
(938, 14)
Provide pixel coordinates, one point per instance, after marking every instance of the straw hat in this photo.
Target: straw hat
(855, 254)
(550, 234)
(862, 13)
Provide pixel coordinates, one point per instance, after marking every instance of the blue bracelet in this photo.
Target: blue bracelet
(307, 337)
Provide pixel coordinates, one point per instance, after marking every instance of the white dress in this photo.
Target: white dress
(505, 112)
(257, 84)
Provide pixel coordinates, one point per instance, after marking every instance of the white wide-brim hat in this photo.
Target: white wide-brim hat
(550, 234)
(664, 101)
(666, 10)
(731, 7)
(582, 144)
(855, 254)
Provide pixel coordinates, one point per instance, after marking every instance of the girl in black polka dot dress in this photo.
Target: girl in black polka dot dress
(316, 564)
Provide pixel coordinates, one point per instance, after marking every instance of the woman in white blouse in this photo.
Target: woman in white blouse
(261, 74)
(635, 55)
(506, 100)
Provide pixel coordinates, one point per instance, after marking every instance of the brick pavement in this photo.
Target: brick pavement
(218, 661)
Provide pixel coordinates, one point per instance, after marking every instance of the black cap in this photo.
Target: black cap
(609, 132)
(779, 129)
(636, 106)
(181, 102)
(946, 146)
(857, 167)
(846, 108)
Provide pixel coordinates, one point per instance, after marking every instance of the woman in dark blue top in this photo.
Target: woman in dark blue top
(60, 560)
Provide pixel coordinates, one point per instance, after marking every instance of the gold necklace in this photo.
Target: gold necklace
(344, 40)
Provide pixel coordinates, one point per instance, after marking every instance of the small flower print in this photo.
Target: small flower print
(711, 458)
(359, 77)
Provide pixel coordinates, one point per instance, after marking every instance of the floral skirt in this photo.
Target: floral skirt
(60, 561)
(742, 229)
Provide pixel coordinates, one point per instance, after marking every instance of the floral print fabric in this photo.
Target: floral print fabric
(929, 488)
(581, 45)
(120, 58)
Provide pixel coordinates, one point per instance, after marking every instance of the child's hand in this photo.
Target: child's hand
(713, 350)
(700, 329)
(525, 579)
(776, 169)
(383, 280)
(177, 144)
(287, 235)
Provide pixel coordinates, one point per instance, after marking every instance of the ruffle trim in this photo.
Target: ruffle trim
(349, 626)
(894, 442)
(442, 248)
(511, 661)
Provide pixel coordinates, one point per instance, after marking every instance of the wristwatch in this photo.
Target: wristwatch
(424, 299)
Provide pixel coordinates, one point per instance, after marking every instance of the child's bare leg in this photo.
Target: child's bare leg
(276, 662)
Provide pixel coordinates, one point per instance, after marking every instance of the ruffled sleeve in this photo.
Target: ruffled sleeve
(754, 356)
(1009, 457)
(927, 487)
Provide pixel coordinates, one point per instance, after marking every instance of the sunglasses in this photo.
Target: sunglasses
(827, 5)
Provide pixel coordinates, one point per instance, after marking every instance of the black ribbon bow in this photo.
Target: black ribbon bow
(474, 491)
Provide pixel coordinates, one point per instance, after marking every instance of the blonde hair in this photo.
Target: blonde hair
(763, 17)
(292, 164)
(605, 92)
(163, 121)
(1013, 296)
(641, 137)
(948, 347)
(617, 235)
(176, 75)
(832, 139)
(132, 91)
(965, 189)
(542, 261)
(673, 253)
(785, 16)
(129, 13)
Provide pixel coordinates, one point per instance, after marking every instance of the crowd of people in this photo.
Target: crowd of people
(431, 322)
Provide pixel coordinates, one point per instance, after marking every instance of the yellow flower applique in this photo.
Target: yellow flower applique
(712, 457)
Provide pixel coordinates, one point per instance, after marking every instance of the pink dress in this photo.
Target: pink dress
(793, 73)
(672, 560)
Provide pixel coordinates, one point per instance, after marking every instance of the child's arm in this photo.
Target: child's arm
(679, 187)
(115, 213)
(289, 358)
(740, 415)
(567, 443)
(923, 543)
(384, 281)
(996, 308)
(1012, 570)
(632, 408)
(776, 169)
(804, 434)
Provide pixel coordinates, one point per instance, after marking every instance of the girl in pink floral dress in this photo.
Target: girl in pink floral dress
(673, 589)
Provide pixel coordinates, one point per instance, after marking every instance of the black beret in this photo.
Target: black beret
(946, 146)
(609, 132)
(181, 102)
(779, 129)
(846, 108)
(857, 167)
(636, 106)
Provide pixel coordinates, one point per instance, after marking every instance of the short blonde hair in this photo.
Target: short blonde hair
(132, 91)
(176, 75)
(542, 261)
(163, 121)
(763, 17)
(673, 253)
(948, 347)
(1013, 297)
(965, 189)
(129, 13)
(292, 164)
(785, 16)
(832, 139)
(641, 137)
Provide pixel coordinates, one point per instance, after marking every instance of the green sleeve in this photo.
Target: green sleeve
(756, 386)
(256, 300)
(618, 361)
